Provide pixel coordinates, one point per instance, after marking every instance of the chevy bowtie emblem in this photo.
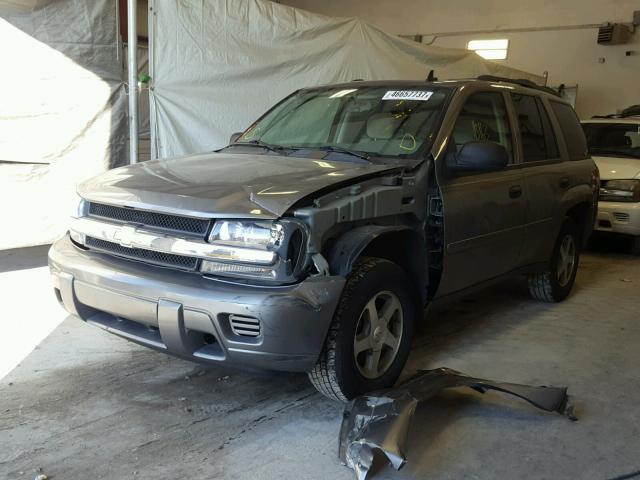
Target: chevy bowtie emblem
(126, 236)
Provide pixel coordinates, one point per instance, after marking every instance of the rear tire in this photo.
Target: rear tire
(375, 317)
(555, 284)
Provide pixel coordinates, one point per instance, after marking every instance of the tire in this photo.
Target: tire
(635, 246)
(555, 284)
(374, 282)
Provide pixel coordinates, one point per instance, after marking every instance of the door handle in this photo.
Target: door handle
(515, 191)
(564, 182)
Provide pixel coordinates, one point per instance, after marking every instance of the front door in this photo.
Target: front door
(484, 213)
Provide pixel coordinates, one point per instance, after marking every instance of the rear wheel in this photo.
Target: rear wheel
(554, 284)
(370, 337)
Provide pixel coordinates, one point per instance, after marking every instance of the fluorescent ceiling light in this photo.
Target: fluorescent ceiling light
(490, 49)
(501, 44)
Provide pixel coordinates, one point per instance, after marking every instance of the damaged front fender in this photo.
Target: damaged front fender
(379, 422)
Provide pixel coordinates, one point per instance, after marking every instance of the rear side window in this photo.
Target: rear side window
(572, 131)
(538, 141)
(483, 119)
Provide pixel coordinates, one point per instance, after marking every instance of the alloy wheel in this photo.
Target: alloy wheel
(378, 334)
(566, 260)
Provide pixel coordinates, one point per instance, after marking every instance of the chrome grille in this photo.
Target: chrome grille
(147, 256)
(175, 223)
(244, 326)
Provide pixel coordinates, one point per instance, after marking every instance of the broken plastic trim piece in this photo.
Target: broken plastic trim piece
(379, 422)
(321, 264)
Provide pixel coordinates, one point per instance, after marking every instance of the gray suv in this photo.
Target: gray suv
(314, 241)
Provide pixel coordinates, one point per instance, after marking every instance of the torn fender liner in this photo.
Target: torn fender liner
(379, 421)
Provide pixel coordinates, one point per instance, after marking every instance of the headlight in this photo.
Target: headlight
(620, 190)
(284, 239)
(265, 235)
(79, 209)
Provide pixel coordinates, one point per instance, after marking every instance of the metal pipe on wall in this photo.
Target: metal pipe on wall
(435, 36)
(132, 67)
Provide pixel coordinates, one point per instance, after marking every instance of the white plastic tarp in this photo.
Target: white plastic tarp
(218, 64)
(63, 113)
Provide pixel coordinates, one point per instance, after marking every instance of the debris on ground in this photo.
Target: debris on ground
(379, 422)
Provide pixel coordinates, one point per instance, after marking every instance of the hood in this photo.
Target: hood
(221, 185)
(618, 168)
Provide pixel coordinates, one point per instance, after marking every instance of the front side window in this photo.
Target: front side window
(377, 121)
(483, 118)
(538, 141)
(573, 134)
(613, 139)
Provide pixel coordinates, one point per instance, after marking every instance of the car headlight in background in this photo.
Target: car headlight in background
(620, 190)
(78, 209)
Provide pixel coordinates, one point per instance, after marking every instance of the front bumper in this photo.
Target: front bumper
(187, 315)
(619, 217)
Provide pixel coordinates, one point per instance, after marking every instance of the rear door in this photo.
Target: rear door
(545, 175)
(483, 211)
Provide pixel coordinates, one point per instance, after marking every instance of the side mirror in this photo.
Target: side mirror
(234, 137)
(480, 157)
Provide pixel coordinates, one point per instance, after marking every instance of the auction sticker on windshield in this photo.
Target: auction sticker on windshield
(407, 95)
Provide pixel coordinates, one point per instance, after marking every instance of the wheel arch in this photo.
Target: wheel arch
(399, 244)
(583, 214)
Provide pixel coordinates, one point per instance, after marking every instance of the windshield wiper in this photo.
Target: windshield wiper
(608, 151)
(258, 143)
(331, 148)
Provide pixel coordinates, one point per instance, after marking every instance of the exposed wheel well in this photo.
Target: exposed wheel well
(582, 214)
(406, 249)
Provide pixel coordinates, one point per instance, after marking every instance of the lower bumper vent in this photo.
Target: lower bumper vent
(244, 326)
(621, 217)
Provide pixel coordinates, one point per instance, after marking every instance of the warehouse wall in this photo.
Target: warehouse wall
(571, 56)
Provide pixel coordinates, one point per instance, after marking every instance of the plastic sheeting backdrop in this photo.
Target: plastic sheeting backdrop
(63, 114)
(218, 64)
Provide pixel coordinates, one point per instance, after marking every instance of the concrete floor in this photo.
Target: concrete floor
(86, 405)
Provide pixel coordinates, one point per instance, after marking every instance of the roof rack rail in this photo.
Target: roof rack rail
(523, 82)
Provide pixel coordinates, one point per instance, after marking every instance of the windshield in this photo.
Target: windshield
(372, 121)
(613, 139)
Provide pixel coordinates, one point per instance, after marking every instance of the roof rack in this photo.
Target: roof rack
(523, 82)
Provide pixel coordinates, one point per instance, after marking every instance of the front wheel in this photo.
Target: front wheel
(635, 245)
(370, 336)
(554, 284)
